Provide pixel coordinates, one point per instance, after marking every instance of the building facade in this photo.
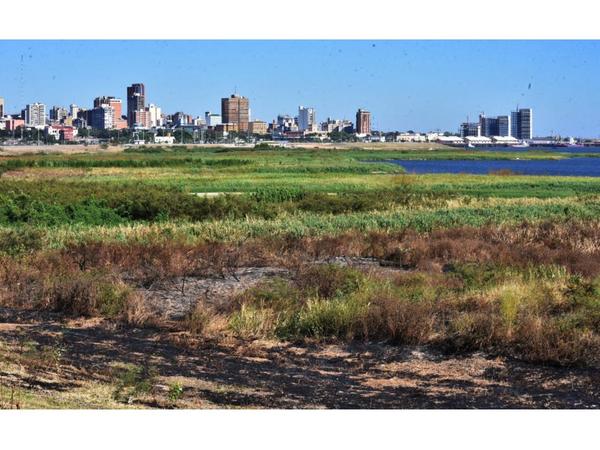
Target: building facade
(522, 124)
(236, 110)
(102, 117)
(136, 101)
(306, 119)
(258, 127)
(472, 129)
(212, 119)
(35, 115)
(1, 107)
(363, 122)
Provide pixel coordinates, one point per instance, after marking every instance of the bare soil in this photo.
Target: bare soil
(265, 374)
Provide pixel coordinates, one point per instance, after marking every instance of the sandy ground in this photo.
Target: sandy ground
(73, 149)
(264, 374)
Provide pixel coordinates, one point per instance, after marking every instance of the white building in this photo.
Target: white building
(154, 116)
(35, 115)
(73, 110)
(211, 119)
(169, 140)
(306, 119)
(411, 137)
(450, 140)
(504, 140)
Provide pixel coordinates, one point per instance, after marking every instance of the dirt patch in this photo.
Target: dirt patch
(265, 374)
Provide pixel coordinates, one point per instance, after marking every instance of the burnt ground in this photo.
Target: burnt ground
(264, 374)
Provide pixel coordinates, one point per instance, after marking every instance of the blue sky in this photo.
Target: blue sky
(420, 85)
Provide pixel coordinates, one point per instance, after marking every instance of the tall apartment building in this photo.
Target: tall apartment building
(73, 110)
(236, 110)
(306, 119)
(58, 114)
(102, 117)
(503, 125)
(522, 123)
(363, 122)
(35, 115)
(154, 116)
(211, 119)
(494, 126)
(1, 107)
(136, 101)
(470, 129)
(117, 110)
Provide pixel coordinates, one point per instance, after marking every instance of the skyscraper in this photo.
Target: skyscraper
(503, 125)
(522, 123)
(1, 107)
(102, 117)
(35, 115)
(136, 101)
(236, 110)
(306, 118)
(363, 122)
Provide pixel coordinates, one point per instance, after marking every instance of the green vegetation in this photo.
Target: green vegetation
(502, 263)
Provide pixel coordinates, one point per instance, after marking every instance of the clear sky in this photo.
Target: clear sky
(419, 85)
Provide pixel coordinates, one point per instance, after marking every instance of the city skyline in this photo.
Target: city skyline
(395, 79)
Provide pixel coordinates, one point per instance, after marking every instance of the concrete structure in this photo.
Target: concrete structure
(306, 119)
(363, 122)
(1, 107)
(235, 109)
(258, 127)
(62, 133)
(522, 124)
(504, 126)
(102, 117)
(169, 140)
(212, 119)
(450, 140)
(73, 110)
(154, 116)
(470, 129)
(58, 114)
(411, 137)
(504, 140)
(494, 126)
(35, 115)
(136, 101)
(477, 140)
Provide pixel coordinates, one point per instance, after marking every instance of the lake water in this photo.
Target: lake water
(541, 148)
(578, 167)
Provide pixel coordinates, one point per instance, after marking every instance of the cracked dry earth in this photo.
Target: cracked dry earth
(265, 374)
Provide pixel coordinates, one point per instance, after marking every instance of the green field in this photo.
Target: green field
(506, 264)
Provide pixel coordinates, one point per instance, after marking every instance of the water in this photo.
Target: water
(576, 167)
(541, 148)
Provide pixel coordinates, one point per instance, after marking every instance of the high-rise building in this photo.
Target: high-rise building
(35, 115)
(470, 129)
(102, 117)
(211, 119)
(73, 110)
(117, 110)
(503, 125)
(488, 125)
(522, 123)
(1, 107)
(58, 114)
(136, 101)
(154, 116)
(235, 110)
(363, 122)
(306, 118)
